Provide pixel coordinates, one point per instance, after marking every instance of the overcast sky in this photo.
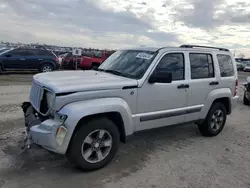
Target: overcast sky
(127, 23)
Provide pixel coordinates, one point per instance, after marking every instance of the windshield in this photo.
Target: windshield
(3, 50)
(128, 63)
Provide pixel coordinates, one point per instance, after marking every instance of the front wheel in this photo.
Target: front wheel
(215, 120)
(94, 145)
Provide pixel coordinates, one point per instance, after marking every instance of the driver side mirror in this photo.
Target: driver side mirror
(160, 77)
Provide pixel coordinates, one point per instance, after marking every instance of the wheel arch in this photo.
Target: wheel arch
(226, 102)
(47, 62)
(115, 109)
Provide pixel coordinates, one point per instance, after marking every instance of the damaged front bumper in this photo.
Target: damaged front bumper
(48, 133)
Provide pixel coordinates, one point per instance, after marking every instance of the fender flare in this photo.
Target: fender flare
(78, 110)
(217, 94)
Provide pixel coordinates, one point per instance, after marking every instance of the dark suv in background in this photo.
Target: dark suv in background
(28, 59)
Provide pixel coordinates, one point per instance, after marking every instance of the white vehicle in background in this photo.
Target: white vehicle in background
(246, 66)
(85, 114)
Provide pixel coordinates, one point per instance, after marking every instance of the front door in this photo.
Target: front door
(162, 104)
(17, 59)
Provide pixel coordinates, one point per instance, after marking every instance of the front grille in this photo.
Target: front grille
(36, 94)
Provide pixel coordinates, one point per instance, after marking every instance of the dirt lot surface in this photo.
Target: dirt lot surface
(169, 157)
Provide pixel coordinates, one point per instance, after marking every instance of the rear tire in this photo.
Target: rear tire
(245, 100)
(47, 68)
(88, 149)
(215, 120)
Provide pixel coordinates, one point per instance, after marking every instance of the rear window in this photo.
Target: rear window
(226, 65)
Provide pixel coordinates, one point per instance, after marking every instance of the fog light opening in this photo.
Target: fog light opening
(60, 134)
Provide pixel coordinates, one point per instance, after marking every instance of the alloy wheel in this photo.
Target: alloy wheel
(47, 68)
(217, 120)
(96, 146)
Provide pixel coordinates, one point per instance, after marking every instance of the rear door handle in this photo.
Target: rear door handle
(22, 59)
(40, 59)
(183, 86)
(214, 83)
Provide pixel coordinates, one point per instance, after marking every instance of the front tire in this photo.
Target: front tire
(94, 145)
(215, 120)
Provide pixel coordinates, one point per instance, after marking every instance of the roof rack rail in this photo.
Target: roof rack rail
(197, 46)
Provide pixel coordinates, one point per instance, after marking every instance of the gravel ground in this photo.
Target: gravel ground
(168, 157)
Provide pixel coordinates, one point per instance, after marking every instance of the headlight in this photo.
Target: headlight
(49, 99)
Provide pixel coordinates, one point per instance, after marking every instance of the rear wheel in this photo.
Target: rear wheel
(47, 68)
(94, 145)
(245, 100)
(215, 120)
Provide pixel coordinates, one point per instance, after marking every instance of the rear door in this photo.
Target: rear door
(33, 59)
(202, 81)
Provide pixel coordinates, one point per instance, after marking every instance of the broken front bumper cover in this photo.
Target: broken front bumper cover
(47, 133)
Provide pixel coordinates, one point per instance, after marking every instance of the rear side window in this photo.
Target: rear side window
(201, 65)
(173, 63)
(226, 65)
(44, 53)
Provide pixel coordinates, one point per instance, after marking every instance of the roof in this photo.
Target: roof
(182, 47)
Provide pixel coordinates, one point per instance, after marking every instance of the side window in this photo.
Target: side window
(32, 52)
(226, 65)
(201, 65)
(173, 63)
(20, 52)
(44, 53)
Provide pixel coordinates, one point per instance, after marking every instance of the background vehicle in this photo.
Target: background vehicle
(69, 62)
(240, 66)
(28, 59)
(95, 61)
(246, 97)
(88, 113)
(246, 66)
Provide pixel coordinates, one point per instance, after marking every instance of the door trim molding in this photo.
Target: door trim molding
(148, 116)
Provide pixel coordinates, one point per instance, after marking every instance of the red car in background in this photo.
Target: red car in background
(69, 62)
(95, 61)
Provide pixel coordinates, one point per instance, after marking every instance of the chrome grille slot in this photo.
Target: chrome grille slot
(36, 93)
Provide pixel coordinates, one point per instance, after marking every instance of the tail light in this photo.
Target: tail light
(236, 87)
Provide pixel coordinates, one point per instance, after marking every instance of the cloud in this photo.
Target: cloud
(126, 23)
(84, 17)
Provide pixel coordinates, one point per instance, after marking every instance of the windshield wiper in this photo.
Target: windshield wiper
(115, 73)
(111, 71)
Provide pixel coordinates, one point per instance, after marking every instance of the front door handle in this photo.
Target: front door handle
(214, 83)
(22, 59)
(183, 86)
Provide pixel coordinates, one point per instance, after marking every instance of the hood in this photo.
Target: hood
(73, 81)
